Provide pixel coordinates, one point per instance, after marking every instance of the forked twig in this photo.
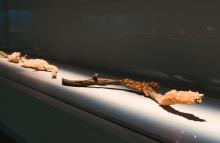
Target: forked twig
(146, 88)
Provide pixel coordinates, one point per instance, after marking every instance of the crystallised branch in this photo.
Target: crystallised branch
(148, 89)
(3, 54)
(14, 57)
(40, 65)
(37, 64)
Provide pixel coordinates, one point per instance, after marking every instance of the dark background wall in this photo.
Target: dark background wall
(167, 40)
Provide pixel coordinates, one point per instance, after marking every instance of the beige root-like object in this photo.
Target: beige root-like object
(14, 57)
(40, 65)
(3, 54)
(148, 89)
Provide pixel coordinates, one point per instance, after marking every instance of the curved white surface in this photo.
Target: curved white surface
(179, 123)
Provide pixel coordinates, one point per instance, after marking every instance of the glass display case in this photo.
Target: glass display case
(173, 43)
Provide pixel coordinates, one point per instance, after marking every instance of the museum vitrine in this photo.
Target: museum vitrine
(118, 71)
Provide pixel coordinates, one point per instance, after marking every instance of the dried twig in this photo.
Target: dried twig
(147, 88)
(39, 64)
(14, 57)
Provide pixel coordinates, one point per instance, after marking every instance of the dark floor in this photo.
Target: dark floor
(4, 138)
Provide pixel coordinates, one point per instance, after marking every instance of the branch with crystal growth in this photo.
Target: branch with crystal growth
(148, 89)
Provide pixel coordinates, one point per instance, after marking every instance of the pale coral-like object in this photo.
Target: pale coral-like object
(39, 64)
(180, 97)
(14, 57)
(3, 54)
